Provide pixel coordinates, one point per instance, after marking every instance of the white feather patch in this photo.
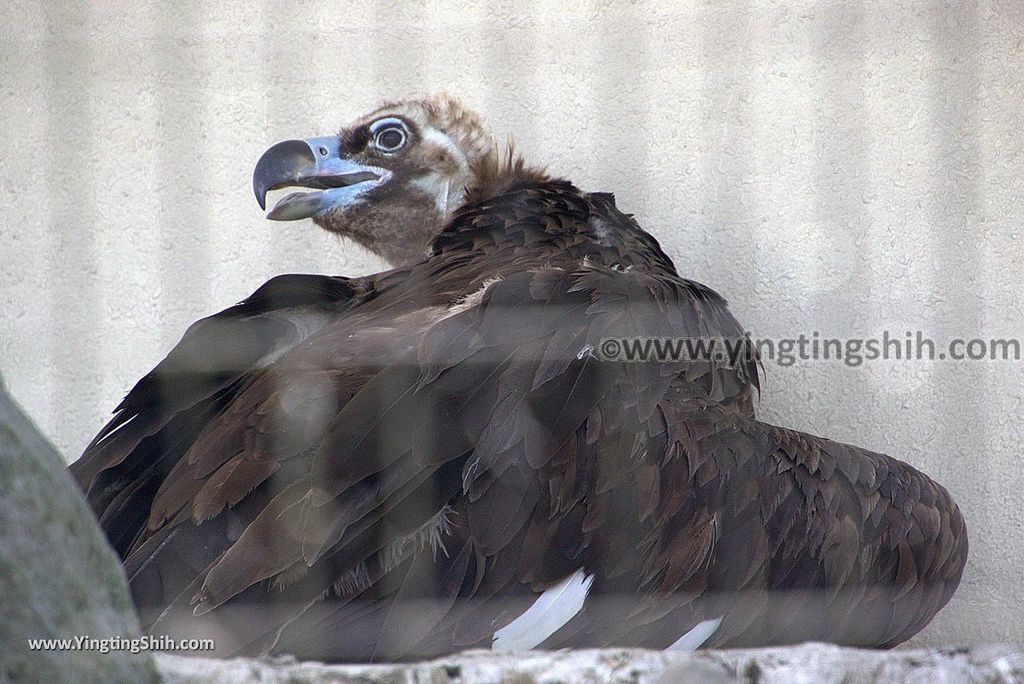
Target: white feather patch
(693, 639)
(555, 607)
(439, 186)
(467, 302)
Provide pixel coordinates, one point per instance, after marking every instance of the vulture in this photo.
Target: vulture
(440, 456)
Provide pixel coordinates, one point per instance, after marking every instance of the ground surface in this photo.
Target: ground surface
(819, 663)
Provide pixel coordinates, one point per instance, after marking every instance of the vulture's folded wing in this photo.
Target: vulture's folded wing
(403, 442)
(408, 480)
(157, 421)
(768, 534)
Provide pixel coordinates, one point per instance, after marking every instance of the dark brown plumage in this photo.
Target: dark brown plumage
(396, 466)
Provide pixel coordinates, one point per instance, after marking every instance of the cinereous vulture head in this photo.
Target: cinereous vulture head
(418, 156)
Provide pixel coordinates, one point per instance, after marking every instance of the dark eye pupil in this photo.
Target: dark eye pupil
(391, 139)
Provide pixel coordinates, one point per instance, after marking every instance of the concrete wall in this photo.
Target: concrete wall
(841, 167)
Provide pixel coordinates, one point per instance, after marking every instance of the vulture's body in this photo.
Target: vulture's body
(437, 457)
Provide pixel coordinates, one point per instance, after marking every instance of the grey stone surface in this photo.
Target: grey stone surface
(58, 576)
(811, 663)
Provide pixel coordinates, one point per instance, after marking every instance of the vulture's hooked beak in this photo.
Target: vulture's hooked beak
(312, 163)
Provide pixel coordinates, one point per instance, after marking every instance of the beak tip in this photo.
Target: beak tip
(279, 166)
(261, 194)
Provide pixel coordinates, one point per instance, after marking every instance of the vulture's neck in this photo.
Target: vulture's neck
(520, 217)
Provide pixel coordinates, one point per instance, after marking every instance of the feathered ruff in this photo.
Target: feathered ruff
(496, 172)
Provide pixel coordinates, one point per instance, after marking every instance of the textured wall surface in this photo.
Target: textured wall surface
(818, 663)
(848, 168)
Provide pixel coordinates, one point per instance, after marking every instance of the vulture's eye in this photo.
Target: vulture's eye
(390, 138)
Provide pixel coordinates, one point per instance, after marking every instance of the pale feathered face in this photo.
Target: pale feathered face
(390, 180)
